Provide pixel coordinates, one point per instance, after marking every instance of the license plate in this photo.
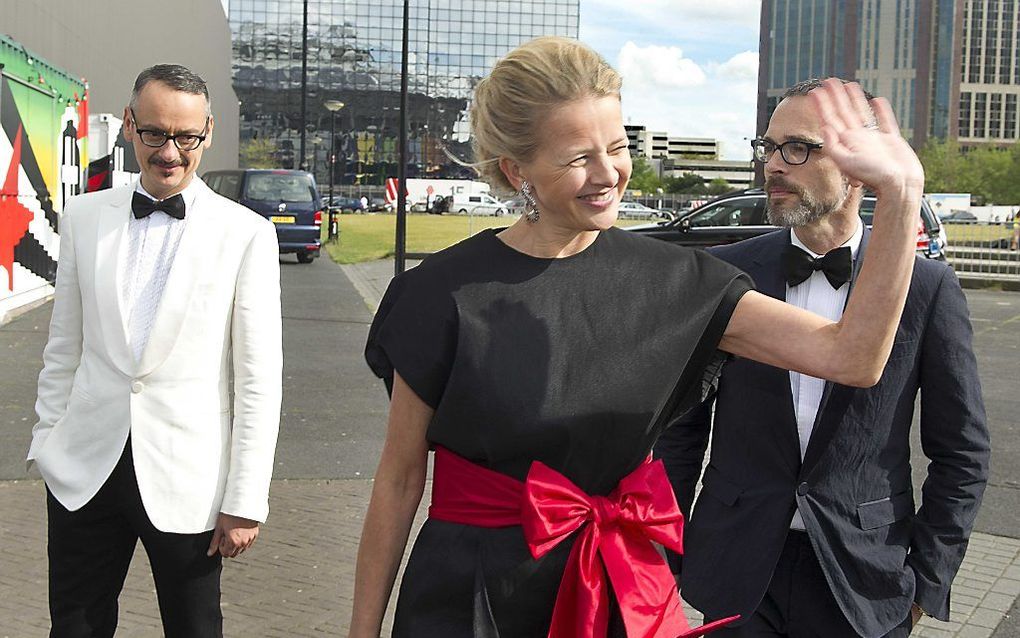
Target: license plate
(282, 219)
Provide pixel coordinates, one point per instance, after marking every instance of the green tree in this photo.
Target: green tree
(718, 186)
(988, 173)
(943, 163)
(643, 177)
(257, 153)
(685, 183)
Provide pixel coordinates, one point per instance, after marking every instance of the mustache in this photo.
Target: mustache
(779, 182)
(155, 161)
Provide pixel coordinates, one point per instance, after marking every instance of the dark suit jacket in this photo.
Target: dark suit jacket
(854, 486)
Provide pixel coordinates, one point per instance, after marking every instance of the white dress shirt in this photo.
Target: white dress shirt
(817, 295)
(145, 265)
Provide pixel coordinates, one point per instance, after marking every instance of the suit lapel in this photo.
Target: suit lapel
(111, 241)
(767, 273)
(835, 397)
(189, 260)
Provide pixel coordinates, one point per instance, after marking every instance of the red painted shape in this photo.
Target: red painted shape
(14, 218)
(83, 116)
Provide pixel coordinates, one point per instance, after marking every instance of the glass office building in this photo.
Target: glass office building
(950, 69)
(353, 55)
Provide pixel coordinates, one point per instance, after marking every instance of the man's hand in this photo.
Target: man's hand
(232, 535)
(868, 148)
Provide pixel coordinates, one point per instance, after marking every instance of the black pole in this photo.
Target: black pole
(302, 165)
(332, 161)
(399, 249)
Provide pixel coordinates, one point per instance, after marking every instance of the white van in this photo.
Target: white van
(476, 204)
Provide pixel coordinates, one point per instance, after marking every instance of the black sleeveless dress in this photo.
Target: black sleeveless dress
(574, 362)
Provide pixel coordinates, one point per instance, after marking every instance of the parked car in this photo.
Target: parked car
(959, 217)
(440, 204)
(741, 215)
(287, 198)
(635, 210)
(344, 205)
(379, 205)
(515, 205)
(480, 204)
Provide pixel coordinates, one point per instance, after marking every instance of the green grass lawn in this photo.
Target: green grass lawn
(977, 234)
(369, 237)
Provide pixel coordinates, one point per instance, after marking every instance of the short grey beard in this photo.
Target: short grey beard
(807, 211)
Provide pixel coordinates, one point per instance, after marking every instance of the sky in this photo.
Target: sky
(690, 67)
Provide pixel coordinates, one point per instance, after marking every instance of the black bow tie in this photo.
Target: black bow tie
(836, 265)
(142, 206)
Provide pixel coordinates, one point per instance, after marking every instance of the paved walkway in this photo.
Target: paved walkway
(298, 580)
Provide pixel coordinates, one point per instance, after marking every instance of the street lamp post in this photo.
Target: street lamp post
(302, 160)
(332, 106)
(400, 240)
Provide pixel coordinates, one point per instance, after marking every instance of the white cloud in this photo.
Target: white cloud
(743, 67)
(683, 16)
(655, 66)
(716, 100)
(689, 68)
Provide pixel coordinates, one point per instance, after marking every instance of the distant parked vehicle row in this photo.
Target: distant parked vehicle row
(741, 215)
(635, 210)
(464, 204)
(343, 205)
(287, 198)
(959, 217)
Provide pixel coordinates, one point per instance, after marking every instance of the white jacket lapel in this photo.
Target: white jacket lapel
(111, 233)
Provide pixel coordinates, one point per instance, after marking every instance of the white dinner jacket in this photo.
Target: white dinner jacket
(196, 453)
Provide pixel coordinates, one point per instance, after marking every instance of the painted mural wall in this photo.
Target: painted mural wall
(43, 143)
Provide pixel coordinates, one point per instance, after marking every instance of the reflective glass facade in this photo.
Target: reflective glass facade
(900, 49)
(353, 56)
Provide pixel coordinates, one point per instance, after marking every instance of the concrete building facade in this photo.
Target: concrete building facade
(676, 156)
(108, 45)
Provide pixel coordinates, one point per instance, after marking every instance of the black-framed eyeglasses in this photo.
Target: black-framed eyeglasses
(793, 152)
(156, 139)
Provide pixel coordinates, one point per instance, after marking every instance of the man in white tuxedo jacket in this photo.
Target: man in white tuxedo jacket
(159, 399)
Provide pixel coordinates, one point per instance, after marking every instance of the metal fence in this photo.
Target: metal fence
(986, 250)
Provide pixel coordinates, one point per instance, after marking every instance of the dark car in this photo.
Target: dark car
(741, 215)
(287, 198)
(345, 205)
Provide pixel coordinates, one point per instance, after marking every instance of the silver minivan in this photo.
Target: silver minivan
(477, 204)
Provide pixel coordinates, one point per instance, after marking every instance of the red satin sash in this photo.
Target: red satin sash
(615, 538)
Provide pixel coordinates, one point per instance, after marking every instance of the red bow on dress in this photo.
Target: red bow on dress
(617, 528)
(616, 531)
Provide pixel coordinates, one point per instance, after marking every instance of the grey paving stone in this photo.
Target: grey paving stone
(983, 617)
(997, 601)
(1007, 586)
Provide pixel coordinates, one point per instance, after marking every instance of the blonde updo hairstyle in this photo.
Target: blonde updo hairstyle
(521, 89)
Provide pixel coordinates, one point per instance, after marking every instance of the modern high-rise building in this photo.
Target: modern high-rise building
(352, 55)
(949, 69)
(989, 72)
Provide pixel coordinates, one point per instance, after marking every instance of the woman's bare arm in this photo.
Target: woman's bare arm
(396, 494)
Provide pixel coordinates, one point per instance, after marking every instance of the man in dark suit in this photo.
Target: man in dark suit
(806, 524)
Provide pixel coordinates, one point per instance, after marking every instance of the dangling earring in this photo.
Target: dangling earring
(530, 205)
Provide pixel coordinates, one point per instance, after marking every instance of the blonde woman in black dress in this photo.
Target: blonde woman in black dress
(542, 361)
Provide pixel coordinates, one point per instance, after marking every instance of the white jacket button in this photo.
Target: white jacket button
(137, 386)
